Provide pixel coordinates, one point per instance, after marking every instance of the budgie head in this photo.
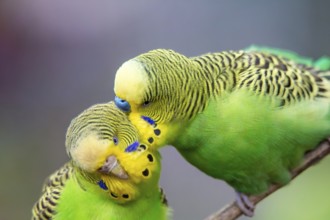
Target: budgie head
(103, 145)
(158, 89)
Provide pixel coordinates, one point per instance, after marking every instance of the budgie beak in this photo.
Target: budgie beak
(112, 166)
(122, 104)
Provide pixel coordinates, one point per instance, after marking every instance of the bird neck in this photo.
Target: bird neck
(211, 75)
(220, 71)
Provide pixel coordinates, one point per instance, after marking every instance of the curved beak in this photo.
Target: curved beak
(112, 166)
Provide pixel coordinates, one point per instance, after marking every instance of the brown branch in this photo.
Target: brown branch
(232, 211)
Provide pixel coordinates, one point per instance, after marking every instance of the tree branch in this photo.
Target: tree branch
(232, 211)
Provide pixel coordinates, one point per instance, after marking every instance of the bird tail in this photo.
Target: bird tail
(323, 63)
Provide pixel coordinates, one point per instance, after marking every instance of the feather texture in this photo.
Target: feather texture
(246, 117)
(102, 180)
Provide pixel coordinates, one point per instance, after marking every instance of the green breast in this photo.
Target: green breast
(243, 139)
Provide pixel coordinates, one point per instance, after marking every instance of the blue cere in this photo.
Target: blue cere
(122, 104)
(133, 147)
(102, 185)
(149, 120)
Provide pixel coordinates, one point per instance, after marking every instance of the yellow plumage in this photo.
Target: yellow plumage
(110, 175)
(246, 117)
(176, 88)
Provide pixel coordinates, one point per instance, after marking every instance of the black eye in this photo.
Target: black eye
(115, 140)
(146, 103)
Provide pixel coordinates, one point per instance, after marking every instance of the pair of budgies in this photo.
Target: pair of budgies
(246, 117)
(111, 174)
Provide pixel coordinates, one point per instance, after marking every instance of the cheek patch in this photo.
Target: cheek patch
(133, 147)
(102, 184)
(149, 120)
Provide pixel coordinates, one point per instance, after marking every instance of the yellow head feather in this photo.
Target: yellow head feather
(131, 81)
(103, 131)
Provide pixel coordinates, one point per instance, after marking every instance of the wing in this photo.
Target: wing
(279, 77)
(45, 207)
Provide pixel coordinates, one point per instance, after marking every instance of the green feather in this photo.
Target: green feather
(323, 63)
(246, 117)
(96, 143)
(248, 142)
(81, 199)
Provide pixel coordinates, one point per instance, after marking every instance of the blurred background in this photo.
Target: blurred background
(59, 57)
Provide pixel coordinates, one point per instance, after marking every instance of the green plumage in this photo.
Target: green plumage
(75, 198)
(246, 117)
(75, 192)
(243, 140)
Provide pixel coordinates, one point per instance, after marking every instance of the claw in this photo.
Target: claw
(245, 204)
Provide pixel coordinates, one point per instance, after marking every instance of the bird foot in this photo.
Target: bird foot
(245, 204)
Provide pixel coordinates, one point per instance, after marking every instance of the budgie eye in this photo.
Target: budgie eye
(115, 140)
(146, 103)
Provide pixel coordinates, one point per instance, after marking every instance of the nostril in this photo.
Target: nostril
(122, 104)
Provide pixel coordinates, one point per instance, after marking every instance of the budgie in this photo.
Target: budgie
(110, 174)
(246, 117)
